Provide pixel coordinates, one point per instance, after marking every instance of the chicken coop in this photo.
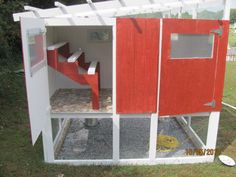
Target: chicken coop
(126, 82)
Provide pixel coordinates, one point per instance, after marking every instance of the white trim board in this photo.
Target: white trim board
(157, 161)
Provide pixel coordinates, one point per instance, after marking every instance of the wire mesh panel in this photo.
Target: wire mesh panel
(86, 139)
(55, 127)
(200, 127)
(134, 138)
(172, 138)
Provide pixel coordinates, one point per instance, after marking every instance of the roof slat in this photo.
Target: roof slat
(112, 8)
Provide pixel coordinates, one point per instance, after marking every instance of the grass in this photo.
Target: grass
(18, 158)
(230, 84)
(232, 38)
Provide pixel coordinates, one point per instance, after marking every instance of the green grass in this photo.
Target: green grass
(230, 84)
(232, 38)
(18, 158)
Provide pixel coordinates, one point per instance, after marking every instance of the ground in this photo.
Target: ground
(18, 158)
(232, 38)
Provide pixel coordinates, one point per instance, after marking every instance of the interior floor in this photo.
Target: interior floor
(82, 142)
(80, 101)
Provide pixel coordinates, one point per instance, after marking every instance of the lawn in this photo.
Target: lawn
(18, 158)
(232, 38)
(230, 84)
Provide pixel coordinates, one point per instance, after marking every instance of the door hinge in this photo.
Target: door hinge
(218, 31)
(212, 104)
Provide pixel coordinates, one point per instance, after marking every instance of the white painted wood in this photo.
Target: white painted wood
(231, 106)
(189, 121)
(92, 68)
(80, 115)
(92, 21)
(193, 114)
(38, 99)
(213, 124)
(159, 67)
(47, 138)
(194, 12)
(169, 160)
(116, 138)
(75, 56)
(154, 117)
(131, 116)
(227, 9)
(62, 6)
(56, 46)
(60, 134)
(34, 10)
(153, 137)
(180, 12)
(112, 8)
(114, 68)
(191, 133)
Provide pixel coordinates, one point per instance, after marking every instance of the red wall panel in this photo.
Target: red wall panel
(187, 84)
(137, 65)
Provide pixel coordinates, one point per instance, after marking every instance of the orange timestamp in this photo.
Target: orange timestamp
(202, 152)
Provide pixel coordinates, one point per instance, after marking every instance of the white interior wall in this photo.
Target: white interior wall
(51, 73)
(94, 51)
(71, 34)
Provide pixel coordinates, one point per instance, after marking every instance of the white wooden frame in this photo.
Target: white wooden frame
(103, 13)
(153, 160)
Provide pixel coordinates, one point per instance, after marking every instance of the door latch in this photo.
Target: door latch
(212, 104)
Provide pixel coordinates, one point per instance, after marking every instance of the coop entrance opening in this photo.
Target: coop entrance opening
(80, 68)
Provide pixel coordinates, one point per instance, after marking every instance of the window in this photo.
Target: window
(99, 35)
(36, 46)
(188, 46)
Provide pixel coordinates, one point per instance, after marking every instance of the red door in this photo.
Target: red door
(137, 65)
(193, 65)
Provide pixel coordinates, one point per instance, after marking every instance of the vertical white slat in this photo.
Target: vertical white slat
(153, 137)
(114, 68)
(159, 67)
(48, 139)
(213, 125)
(115, 117)
(116, 138)
(226, 10)
(180, 12)
(189, 121)
(194, 12)
(154, 117)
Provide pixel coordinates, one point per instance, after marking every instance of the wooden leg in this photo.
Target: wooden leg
(95, 93)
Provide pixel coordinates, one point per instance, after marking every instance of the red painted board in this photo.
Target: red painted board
(137, 65)
(188, 84)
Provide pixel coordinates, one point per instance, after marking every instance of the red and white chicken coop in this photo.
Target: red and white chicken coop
(126, 81)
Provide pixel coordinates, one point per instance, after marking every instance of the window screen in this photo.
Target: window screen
(189, 46)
